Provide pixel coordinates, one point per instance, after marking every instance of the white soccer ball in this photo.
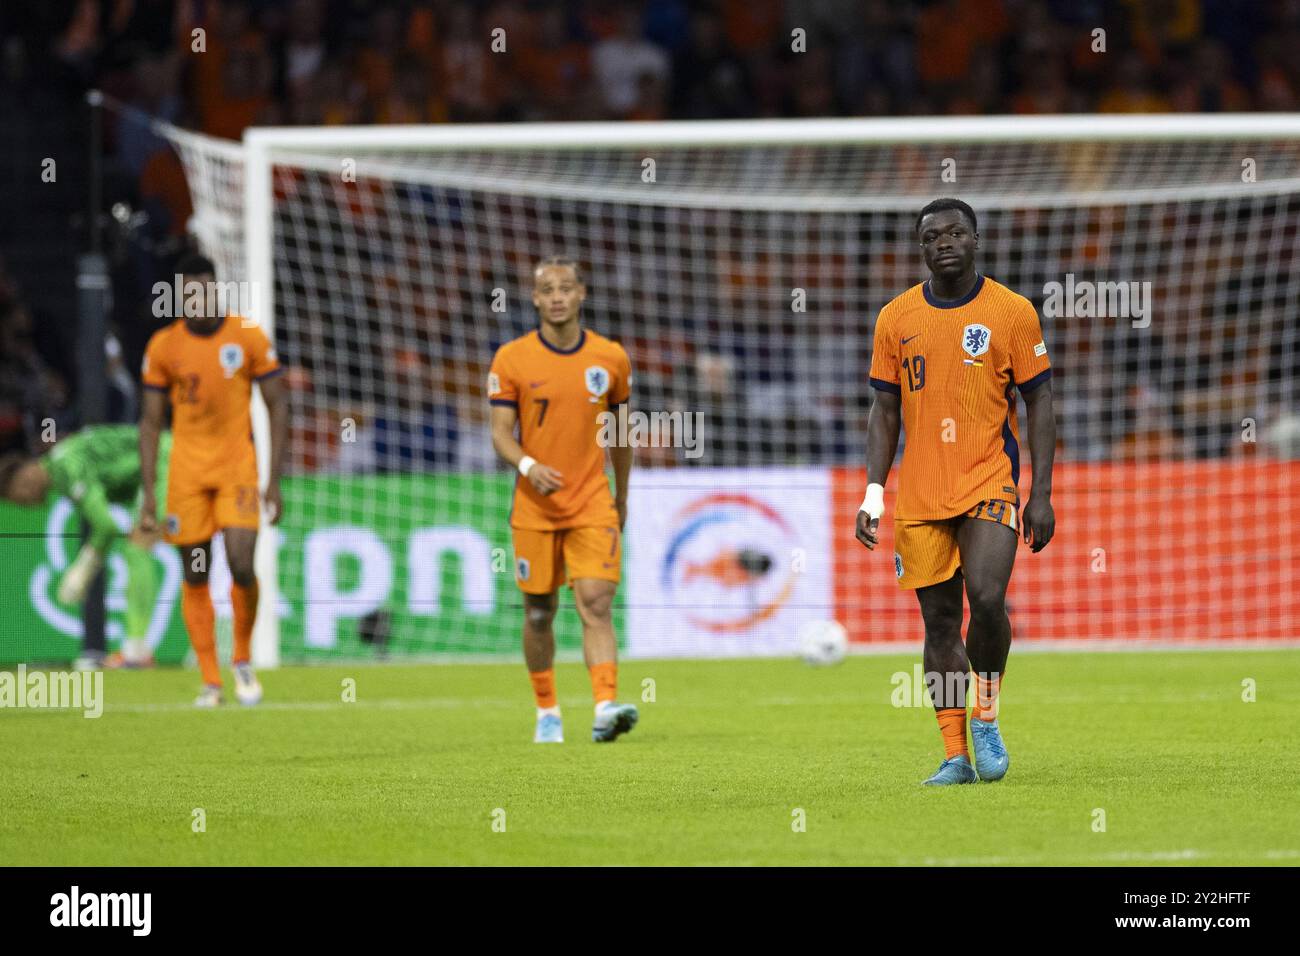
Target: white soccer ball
(823, 643)
(1282, 438)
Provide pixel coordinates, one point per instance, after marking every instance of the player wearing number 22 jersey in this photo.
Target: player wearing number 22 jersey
(208, 378)
(554, 385)
(948, 359)
(205, 367)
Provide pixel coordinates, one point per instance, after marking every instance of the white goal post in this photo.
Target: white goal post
(790, 192)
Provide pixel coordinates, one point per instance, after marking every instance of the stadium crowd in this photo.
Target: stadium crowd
(427, 61)
(431, 61)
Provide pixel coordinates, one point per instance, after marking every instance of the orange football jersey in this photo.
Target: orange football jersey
(559, 396)
(209, 379)
(956, 366)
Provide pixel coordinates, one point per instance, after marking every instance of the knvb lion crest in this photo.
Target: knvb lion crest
(597, 381)
(231, 357)
(975, 340)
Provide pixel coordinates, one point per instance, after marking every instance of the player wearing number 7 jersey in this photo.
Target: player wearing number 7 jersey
(553, 384)
(948, 357)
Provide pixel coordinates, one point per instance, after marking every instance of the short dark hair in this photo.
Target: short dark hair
(942, 205)
(9, 465)
(194, 263)
(562, 261)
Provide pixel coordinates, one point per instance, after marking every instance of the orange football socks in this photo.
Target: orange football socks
(543, 687)
(986, 697)
(952, 724)
(200, 621)
(243, 604)
(604, 681)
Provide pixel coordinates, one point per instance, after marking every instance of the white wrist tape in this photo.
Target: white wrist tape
(526, 464)
(874, 502)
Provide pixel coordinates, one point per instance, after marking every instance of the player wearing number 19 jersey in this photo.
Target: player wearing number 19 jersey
(948, 358)
(553, 385)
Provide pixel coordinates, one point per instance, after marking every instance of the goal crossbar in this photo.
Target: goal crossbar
(793, 132)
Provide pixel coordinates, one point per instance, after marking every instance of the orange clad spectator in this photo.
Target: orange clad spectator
(226, 30)
(1275, 90)
(1046, 90)
(414, 98)
(554, 67)
(948, 34)
(162, 182)
(243, 95)
(331, 98)
(375, 61)
(422, 31)
(1157, 25)
(473, 88)
(980, 94)
(651, 98)
(752, 25)
(1207, 84)
(1132, 91)
(81, 36)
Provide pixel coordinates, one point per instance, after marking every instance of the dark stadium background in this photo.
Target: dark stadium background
(291, 62)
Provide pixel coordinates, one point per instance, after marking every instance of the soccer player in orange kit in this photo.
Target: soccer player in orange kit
(947, 359)
(205, 366)
(553, 383)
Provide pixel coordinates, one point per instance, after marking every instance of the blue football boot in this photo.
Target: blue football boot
(613, 719)
(953, 770)
(550, 730)
(991, 759)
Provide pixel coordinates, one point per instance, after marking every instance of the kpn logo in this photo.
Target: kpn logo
(75, 908)
(62, 529)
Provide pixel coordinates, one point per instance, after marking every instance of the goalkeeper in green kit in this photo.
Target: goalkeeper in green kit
(95, 467)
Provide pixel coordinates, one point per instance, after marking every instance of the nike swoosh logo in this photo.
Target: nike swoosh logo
(537, 384)
(909, 338)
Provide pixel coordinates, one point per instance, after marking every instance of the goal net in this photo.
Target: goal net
(743, 265)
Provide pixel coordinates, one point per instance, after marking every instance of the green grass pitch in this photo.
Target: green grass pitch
(415, 770)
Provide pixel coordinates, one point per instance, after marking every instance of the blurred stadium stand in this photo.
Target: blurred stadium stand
(354, 61)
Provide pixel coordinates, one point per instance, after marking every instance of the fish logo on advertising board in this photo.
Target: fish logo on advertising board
(725, 562)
